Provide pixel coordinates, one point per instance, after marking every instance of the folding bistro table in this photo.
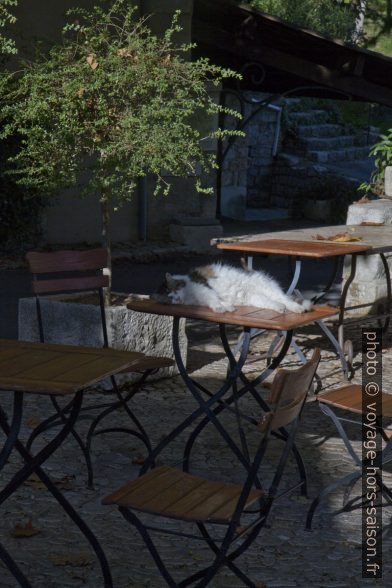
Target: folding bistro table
(211, 404)
(302, 243)
(61, 370)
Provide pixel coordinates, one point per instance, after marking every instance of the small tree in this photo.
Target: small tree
(112, 100)
(7, 46)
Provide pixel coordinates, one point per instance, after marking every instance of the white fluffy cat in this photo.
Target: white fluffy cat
(222, 288)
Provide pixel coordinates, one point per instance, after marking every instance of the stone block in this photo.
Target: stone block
(388, 181)
(372, 293)
(369, 284)
(369, 267)
(379, 211)
(233, 202)
(69, 322)
(196, 237)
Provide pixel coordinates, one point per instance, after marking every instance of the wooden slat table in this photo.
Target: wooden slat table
(244, 316)
(45, 368)
(316, 249)
(303, 243)
(209, 409)
(40, 368)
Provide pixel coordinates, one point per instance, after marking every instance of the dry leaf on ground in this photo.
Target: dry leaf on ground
(71, 559)
(371, 224)
(33, 422)
(65, 483)
(139, 460)
(23, 531)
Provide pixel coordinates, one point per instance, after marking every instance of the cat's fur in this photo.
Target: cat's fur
(222, 288)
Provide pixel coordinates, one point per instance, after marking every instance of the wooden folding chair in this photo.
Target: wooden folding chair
(238, 511)
(82, 271)
(336, 404)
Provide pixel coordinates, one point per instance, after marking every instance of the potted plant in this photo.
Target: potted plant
(109, 105)
(380, 181)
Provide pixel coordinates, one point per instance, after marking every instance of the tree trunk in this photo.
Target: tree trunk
(106, 242)
(359, 19)
(388, 20)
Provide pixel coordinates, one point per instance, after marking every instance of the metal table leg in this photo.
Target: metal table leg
(211, 407)
(32, 464)
(6, 451)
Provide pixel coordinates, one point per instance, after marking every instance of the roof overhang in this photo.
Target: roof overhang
(234, 35)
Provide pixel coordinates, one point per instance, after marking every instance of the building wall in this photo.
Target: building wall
(247, 168)
(183, 202)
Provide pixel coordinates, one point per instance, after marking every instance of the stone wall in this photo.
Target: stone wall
(292, 176)
(247, 168)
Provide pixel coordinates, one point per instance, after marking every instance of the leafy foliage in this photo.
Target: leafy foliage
(20, 208)
(108, 105)
(383, 157)
(328, 17)
(378, 26)
(7, 46)
(338, 190)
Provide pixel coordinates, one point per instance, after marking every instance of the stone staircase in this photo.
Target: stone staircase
(317, 139)
(315, 150)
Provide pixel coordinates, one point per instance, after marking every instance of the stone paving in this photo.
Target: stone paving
(284, 555)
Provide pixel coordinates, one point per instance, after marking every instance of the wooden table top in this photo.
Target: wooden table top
(46, 368)
(377, 238)
(245, 316)
(293, 247)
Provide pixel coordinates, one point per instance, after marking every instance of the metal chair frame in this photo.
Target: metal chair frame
(226, 552)
(98, 283)
(351, 479)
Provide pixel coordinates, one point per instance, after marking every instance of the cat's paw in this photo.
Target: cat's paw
(296, 308)
(218, 308)
(307, 305)
(279, 308)
(221, 308)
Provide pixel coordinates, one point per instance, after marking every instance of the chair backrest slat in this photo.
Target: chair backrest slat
(69, 271)
(288, 393)
(65, 261)
(69, 284)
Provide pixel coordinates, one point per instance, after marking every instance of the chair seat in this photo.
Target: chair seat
(148, 362)
(175, 494)
(350, 398)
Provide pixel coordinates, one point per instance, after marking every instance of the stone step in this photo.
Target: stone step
(344, 154)
(310, 116)
(327, 143)
(320, 130)
(292, 100)
(270, 213)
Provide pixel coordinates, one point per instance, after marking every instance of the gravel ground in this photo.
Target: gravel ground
(284, 555)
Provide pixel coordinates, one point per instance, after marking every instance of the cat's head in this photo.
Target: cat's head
(171, 291)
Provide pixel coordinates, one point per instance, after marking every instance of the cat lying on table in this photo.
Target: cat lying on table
(222, 288)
